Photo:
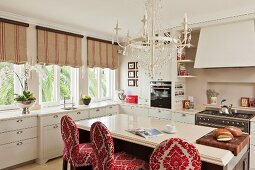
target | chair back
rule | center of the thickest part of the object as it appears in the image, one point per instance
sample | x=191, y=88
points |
x=175, y=154
x=70, y=134
x=102, y=144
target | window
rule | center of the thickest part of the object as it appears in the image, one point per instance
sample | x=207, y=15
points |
x=58, y=83
x=100, y=83
x=9, y=84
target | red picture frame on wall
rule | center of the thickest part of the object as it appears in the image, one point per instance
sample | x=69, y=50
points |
x=245, y=102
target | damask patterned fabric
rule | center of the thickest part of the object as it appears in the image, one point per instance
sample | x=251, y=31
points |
x=175, y=154
x=77, y=154
x=105, y=159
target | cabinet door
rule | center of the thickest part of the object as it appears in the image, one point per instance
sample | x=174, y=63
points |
x=160, y=113
x=18, y=152
x=52, y=141
x=184, y=118
x=97, y=112
x=140, y=111
x=112, y=110
x=252, y=157
x=126, y=109
x=79, y=115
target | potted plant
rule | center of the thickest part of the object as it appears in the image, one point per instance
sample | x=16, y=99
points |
x=25, y=101
x=86, y=99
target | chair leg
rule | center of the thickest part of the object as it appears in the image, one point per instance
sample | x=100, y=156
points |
x=64, y=165
x=73, y=167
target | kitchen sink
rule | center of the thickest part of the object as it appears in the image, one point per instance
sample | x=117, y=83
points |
x=69, y=108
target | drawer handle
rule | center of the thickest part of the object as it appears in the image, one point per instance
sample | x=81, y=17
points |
x=110, y=107
x=159, y=111
x=55, y=126
x=97, y=110
x=78, y=113
x=55, y=116
x=183, y=115
x=19, y=132
x=19, y=143
x=20, y=120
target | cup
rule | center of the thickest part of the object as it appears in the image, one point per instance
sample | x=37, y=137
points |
x=170, y=128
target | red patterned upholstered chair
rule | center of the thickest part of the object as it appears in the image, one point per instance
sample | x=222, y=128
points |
x=105, y=158
x=78, y=155
x=175, y=154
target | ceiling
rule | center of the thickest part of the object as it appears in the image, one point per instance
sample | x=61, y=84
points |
x=100, y=16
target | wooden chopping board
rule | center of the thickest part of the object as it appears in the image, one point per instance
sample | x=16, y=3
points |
x=235, y=145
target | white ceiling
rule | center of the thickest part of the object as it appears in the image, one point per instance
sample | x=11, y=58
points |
x=100, y=15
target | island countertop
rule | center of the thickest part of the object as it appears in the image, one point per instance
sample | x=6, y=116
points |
x=118, y=124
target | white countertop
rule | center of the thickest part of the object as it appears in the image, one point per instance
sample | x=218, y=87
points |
x=11, y=114
x=118, y=124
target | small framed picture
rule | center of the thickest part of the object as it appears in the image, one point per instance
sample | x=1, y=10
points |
x=131, y=65
x=245, y=102
x=136, y=74
x=131, y=82
x=136, y=65
x=136, y=82
x=131, y=74
x=185, y=104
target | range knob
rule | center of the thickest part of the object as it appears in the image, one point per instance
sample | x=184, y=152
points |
x=227, y=122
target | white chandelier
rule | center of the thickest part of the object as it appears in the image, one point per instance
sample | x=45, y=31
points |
x=155, y=46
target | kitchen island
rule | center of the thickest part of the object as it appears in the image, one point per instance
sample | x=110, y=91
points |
x=212, y=158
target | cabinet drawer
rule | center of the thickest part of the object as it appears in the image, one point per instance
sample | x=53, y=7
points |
x=252, y=157
x=18, y=152
x=52, y=141
x=112, y=110
x=253, y=127
x=18, y=123
x=126, y=109
x=159, y=113
x=184, y=118
x=17, y=135
x=51, y=119
x=98, y=112
x=139, y=111
x=79, y=115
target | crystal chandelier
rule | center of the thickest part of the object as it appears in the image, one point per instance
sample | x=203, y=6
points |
x=154, y=47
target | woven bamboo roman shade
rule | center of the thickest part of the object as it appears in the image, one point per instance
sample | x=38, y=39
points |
x=102, y=54
x=58, y=48
x=13, y=42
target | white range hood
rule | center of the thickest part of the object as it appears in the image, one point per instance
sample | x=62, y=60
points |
x=229, y=45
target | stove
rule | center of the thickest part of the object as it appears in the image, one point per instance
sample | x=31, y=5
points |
x=214, y=118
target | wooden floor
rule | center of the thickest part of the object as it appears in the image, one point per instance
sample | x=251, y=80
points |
x=55, y=164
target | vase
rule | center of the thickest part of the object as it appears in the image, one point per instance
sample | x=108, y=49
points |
x=213, y=100
x=86, y=101
x=25, y=105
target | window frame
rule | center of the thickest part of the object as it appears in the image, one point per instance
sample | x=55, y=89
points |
x=110, y=87
x=17, y=87
x=56, y=98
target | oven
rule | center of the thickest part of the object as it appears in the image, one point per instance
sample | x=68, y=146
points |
x=161, y=94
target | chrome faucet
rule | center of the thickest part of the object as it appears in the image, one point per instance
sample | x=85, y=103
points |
x=224, y=108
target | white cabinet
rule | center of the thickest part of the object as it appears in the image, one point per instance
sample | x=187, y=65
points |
x=252, y=157
x=18, y=152
x=160, y=113
x=252, y=146
x=112, y=110
x=126, y=109
x=184, y=118
x=18, y=141
x=140, y=111
x=97, y=112
x=79, y=115
x=52, y=141
x=134, y=110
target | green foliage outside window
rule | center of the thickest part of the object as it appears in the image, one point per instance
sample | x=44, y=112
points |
x=48, y=84
x=65, y=82
x=7, y=85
